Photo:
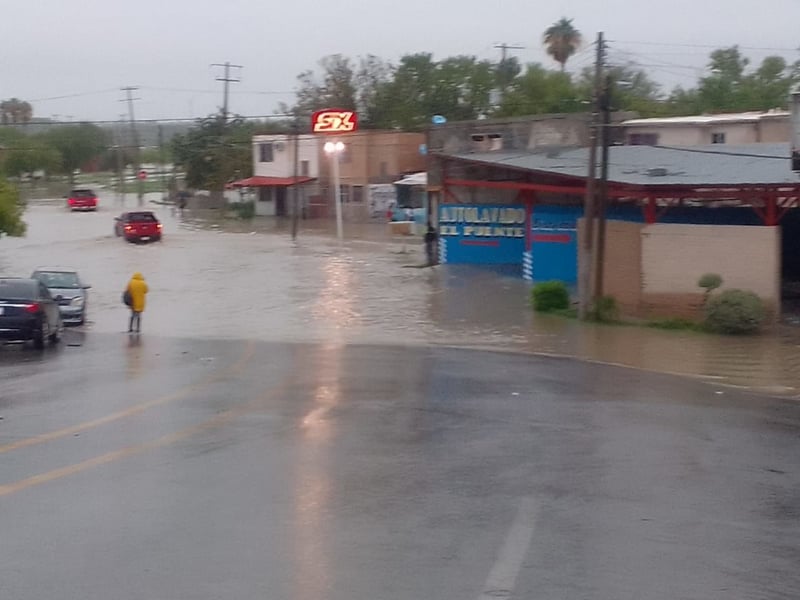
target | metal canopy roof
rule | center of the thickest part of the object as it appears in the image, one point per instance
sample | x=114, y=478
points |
x=718, y=165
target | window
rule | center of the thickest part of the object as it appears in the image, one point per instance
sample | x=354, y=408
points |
x=358, y=193
x=643, y=139
x=265, y=152
x=344, y=190
x=717, y=138
x=304, y=169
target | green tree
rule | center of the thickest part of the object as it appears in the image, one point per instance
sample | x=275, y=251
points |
x=15, y=111
x=336, y=88
x=11, y=222
x=562, y=40
x=31, y=155
x=78, y=145
x=214, y=152
x=540, y=91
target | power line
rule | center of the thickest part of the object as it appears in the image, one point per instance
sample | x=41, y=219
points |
x=226, y=81
x=707, y=46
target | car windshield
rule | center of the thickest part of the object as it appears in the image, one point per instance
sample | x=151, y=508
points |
x=142, y=218
x=16, y=289
x=59, y=279
x=82, y=194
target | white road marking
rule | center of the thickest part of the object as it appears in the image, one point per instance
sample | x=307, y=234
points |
x=503, y=576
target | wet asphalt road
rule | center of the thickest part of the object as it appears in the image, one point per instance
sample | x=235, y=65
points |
x=154, y=468
x=319, y=445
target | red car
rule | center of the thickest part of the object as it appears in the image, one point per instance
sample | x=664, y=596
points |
x=140, y=226
x=82, y=199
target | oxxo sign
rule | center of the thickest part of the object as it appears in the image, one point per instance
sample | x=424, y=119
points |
x=334, y=120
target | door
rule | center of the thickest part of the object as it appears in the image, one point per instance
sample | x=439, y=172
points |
x=280, y=202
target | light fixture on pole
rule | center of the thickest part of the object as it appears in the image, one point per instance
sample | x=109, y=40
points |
x=334, y=149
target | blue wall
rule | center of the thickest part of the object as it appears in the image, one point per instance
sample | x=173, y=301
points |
x=491, y=235
x=482, y=234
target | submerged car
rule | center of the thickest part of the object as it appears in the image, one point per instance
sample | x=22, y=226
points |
x=82, y=199
x=68, y=290
x=139, y=226
x=28, y=312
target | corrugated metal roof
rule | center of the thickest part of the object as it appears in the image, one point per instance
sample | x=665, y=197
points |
x=743, y=117
x=716, y=165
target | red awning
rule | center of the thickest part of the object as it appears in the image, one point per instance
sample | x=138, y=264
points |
x=260, y=181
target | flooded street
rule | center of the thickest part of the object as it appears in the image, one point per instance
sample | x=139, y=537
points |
x=221, y=278
x=323, y=421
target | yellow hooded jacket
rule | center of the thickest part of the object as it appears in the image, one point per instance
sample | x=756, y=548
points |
x=137, y=288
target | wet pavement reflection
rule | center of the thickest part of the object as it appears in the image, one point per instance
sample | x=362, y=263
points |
x=216, y=277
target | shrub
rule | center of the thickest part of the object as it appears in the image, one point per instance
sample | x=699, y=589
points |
x=550, y=296
x=709, y=282
x=244, y=210
x=735, y=312
x=605, y=310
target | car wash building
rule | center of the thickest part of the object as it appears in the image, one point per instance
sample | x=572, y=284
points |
x=516, y=201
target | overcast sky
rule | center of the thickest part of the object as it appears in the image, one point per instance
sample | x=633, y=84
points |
x=88, y=49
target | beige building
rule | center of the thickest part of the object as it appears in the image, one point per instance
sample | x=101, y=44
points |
x=736, y=128
x=369, y=157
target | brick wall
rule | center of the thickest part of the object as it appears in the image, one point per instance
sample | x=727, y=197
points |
x=652, y=270
x=674, y=257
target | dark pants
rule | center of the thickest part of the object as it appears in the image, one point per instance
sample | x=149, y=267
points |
x=429, y=252
x=136, y=317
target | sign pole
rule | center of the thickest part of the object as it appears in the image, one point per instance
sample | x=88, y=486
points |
x=337, y=194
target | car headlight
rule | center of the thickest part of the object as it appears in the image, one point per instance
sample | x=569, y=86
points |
x=77, y=301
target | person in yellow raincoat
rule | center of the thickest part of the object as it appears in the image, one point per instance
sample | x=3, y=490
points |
x=137, y=288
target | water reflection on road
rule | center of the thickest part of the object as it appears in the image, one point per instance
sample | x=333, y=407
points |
x=213, y=277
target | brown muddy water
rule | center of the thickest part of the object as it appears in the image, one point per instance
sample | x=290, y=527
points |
x=214, y=277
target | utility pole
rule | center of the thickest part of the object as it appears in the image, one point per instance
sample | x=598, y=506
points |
x=586, y=255
x=135, y=140
x=602, y=202
x=504, y=48
x=227, y=80
x=120, y=147
x=162, y=161
x=295, y=185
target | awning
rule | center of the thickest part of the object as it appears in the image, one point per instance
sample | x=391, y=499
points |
x=414, y=179
x=261, y=181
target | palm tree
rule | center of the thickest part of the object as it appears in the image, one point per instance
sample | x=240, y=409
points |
x=562, y=40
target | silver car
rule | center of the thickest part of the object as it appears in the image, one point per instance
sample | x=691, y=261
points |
x=68, y=290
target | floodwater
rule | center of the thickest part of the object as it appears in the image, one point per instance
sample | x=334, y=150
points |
x=212, y=277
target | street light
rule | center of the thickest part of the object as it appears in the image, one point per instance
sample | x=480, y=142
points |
x=334, y=150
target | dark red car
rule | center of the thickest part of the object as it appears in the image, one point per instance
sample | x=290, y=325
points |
x=82, y=199
x=140, y=226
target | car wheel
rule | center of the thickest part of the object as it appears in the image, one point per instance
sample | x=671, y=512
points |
x=55, y=336
x=40, y=335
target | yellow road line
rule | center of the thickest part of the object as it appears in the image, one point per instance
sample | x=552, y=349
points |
x=135, y=409
x=23, y=484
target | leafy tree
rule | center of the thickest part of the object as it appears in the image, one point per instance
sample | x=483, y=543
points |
x=11, y=222
x=335, y=89
x=540, y=91
x=29, y=156
x=562, y=40
x=15, y=111
x=214, y=153
x=77, y=144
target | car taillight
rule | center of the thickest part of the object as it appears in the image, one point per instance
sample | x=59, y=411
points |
x=32, y=308
x=159, y=225
x=128, y=227
x=72, y=200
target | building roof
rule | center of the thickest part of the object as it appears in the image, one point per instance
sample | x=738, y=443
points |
x=696, y=166
x=261, y=181
x=719, y=119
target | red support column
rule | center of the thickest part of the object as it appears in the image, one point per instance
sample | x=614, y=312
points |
x=650, y=213
x=771, y=219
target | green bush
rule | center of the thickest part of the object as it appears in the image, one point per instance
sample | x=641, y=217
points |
x=244, y=210
x=709, y=282
x=673, y=324
x=605, y=310
x=549, y=296
x=735, y=312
